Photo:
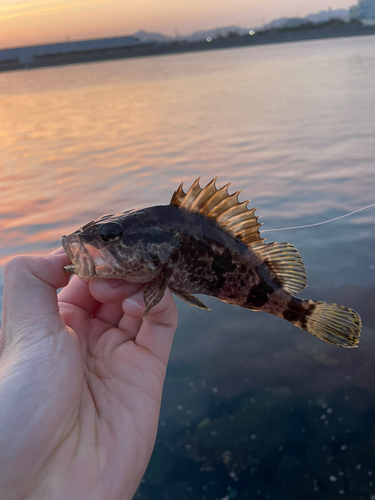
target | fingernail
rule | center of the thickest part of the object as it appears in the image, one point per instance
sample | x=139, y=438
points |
x=111, y=284
x=134, y=303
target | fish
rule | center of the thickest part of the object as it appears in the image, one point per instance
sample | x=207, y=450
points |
x=206, y=242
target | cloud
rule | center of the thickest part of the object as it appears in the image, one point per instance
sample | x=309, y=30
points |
x=28, y=4
x=48, y=7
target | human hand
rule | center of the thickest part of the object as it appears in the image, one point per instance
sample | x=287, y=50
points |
x=81, y=377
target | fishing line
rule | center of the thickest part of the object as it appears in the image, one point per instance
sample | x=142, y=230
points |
x=321, y=223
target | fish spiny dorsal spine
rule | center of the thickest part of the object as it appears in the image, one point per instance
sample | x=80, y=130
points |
x=224, y=208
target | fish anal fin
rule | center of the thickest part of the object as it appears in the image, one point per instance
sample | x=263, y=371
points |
x=190, y=299
x=284, y=263
x=223, y=208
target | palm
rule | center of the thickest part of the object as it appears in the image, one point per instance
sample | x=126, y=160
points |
x=99, y=426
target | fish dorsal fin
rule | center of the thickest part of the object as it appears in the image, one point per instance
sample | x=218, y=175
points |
x=284, y=263
x=222, y=207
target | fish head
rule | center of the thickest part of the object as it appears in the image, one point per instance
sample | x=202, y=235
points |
x=126, y=246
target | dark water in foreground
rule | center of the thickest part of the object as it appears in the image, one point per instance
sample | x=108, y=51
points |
x=253, y=407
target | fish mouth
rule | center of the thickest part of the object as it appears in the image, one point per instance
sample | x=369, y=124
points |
x=83, y=264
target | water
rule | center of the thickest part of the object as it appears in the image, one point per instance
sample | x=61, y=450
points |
x=253, y=407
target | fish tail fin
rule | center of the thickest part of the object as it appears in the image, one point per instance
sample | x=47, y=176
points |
x=332, y=323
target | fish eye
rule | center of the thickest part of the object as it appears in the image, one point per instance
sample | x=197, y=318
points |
x=110, y=232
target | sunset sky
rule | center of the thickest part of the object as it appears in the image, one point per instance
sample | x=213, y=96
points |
x=26, y=22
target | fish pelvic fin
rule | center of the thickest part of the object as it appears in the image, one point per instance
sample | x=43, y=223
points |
x=221, y=207
x=190, y=299
x=332, y=323
x=284, y=264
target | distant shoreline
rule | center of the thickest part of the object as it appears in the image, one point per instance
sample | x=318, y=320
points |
x=328, y=30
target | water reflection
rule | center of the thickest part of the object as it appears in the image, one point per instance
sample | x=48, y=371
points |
x=253, y=408
x=258, y=408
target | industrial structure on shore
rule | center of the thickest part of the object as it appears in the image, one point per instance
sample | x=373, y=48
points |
x=358, y=21
x=366, y=12
x=67, y=52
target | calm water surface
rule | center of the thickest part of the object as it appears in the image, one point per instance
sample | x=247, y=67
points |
x=253, y=407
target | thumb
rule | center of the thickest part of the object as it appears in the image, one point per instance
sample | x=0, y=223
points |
x=30, y=301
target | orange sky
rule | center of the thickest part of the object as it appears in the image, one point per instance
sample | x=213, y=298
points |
x=27, y=22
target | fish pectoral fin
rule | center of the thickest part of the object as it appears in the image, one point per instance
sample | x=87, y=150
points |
x=190, y=299
x=154, y=291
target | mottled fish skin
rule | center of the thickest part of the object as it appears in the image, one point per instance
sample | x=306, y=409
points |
x=138, y=256
x=205, y=259
x=213, y=263
x=206, y=242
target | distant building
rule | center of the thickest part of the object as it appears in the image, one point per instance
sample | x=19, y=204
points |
x=27, y=55
x=366, y=12
x=353, y=12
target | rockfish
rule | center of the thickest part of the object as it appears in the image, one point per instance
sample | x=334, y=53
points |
x=207, y=242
